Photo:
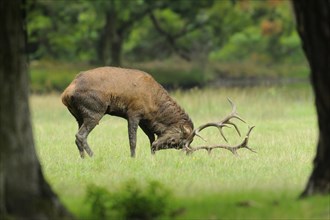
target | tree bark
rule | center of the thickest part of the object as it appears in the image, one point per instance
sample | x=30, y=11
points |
x=24, y=193
x=110, y=43
x=116, y=28
x=313, y=21
x=116, y=51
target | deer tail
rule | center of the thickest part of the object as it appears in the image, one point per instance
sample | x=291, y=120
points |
x=67, y=94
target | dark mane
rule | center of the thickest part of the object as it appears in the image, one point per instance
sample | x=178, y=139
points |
x=170, y=112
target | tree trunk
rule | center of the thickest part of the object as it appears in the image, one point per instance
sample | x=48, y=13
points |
x=313, y=19
x=116, y=50
x=110, y=46
x=24, y=193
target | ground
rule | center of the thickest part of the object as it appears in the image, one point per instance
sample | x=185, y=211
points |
x=263, y=185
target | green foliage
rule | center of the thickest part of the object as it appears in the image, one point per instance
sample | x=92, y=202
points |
x=174, y=73
x=224, y=39
x=259, y=30
x=218, y=31
x=131, y=201
x=246, y=39
x=62, y=30
x=48, y=76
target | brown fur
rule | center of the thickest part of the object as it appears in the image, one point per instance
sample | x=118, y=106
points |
x=130, y=94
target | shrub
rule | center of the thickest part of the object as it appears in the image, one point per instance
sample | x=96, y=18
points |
x=131, y=201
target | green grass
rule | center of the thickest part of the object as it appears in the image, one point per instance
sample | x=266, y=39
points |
x=220, y=186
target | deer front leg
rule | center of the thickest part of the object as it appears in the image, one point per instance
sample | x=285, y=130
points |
x=150, y=135
x=132, y=129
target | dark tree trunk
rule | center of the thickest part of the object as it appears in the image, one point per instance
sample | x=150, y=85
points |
x=24, y=193
x=116, y=51
x=110, y=43
x=313, y=21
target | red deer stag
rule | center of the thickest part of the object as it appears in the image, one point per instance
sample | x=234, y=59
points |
x=137, y=97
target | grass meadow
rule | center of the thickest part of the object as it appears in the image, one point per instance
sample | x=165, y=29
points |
x=264, y=185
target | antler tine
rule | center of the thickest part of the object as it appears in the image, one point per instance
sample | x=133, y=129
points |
x=232, y=149
x=244, y=144
x=221, y=133
x=236, y=128
x=222, y=123
x=200, y=137
x=233, y=113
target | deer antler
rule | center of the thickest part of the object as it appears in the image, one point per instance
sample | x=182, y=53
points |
x=222, y=123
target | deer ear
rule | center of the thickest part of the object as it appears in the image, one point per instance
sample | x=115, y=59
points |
x=186, y=129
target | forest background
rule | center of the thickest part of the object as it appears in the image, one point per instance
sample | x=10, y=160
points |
x=183, y=45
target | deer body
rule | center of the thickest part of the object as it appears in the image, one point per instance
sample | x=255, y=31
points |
x=130, y=94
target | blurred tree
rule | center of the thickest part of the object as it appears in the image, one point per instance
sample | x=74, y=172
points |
x=24, y=193
x=120, y=17
x=105, y=32
x=313, y=19
x=180, y=19
x=263, y=28
x=62, y=30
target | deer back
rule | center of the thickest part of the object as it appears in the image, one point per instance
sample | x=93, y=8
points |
x=128, y=93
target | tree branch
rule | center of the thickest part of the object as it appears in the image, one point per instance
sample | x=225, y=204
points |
x=138, y=15
x=171, y=39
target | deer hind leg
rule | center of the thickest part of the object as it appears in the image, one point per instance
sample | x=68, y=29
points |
x=81, y=137
x=86, y=124
x=88, y=111
x=79, y=119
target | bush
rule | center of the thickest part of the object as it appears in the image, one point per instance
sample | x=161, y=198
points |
x=174, y=73
x=131, y=202
x=50, y=75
